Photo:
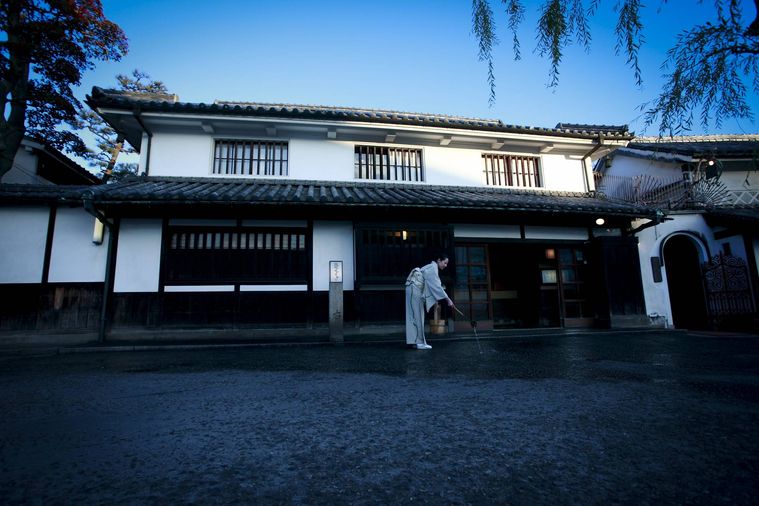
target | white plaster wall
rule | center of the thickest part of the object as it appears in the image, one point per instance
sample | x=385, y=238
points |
x=453, y=166
x=321, y=159
x=487, y=231
x=74, y=257
x=656, y=295
x=191, y=155
x=181, y=154
x=332, y=240
x=23, y=234
x=628, y=166
x=737, y=246
x=24, y=169
x=563, y=173
x=741, y=180
x=557, y=233
x=138, y=260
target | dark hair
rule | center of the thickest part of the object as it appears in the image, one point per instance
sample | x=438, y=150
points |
x=441, y=255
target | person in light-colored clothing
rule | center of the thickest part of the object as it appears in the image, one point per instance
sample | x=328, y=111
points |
x=423, y=290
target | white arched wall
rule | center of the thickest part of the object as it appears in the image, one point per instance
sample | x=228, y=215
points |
x=651, y=243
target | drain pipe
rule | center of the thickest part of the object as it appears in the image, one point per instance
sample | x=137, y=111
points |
x=110, y=262
x=587, y=169
x=137, y=113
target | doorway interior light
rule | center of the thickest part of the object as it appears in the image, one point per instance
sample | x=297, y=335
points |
x=600, y=221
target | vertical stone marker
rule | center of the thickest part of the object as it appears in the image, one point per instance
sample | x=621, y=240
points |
x=336, y=301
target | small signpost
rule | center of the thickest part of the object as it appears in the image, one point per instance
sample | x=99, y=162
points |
x=336, y=301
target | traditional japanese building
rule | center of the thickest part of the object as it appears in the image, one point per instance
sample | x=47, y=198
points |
x=699, y=265
x=239, y=208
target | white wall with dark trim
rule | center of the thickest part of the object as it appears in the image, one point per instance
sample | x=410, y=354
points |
x=650, y=242
x=332, y=240
x=138, y=261
x=22, y=248
x=74, y=257
x=190, y=154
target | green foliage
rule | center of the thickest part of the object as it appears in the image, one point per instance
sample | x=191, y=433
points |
x=710, y=70
x=48, y=45
x=106, y=138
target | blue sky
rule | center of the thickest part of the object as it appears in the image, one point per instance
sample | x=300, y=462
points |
x=417, y=56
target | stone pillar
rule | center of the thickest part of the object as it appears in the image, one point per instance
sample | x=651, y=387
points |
x=336, y=301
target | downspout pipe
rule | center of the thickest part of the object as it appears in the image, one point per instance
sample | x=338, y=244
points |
x=137, y=113
x=110, y=263
x=586, y=163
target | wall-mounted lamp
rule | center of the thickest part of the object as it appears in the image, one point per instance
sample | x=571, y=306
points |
x=97, y=232
x=405, y=235
x=600, y=221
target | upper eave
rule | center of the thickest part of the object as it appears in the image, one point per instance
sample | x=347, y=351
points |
x=114, y=102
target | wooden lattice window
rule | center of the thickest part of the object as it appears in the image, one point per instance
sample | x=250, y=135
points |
x=389, y=164
x=250, y=158
x=511, y=170
x=201, y=255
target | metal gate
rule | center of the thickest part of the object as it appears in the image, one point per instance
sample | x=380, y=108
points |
x=728, y=291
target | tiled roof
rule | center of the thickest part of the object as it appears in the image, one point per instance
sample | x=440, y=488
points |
x=722, y=146
x=584, y=127
x=745, y=215
x=197, y=191
x=120, y=100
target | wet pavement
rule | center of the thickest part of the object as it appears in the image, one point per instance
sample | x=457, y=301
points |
x=626, y=418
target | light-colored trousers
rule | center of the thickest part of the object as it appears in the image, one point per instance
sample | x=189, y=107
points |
x=414, y=315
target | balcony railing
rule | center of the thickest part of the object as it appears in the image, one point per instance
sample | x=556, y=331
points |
x=673, y=192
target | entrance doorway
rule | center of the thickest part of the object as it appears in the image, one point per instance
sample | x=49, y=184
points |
x=686, y=291
x=513, y=285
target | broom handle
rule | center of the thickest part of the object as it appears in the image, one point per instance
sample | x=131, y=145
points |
x=459, y=312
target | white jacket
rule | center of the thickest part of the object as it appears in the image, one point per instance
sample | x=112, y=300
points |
x=427, y=280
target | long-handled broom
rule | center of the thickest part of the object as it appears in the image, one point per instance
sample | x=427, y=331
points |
x=473, y=323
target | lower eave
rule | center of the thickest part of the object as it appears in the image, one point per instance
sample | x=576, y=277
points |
x=188, y=193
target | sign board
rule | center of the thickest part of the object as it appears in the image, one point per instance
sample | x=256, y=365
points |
x=335, y=271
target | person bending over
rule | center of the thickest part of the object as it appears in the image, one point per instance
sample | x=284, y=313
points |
x=423, y=290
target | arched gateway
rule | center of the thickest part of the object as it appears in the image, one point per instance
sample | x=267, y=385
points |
x=682, y=261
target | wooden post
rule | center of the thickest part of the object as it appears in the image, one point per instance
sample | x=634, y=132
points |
x=336, y=301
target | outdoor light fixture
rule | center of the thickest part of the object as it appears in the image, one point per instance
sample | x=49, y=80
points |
x=710, y=163
x=600, y=221
x=405, y=235
x=97, y=232
x=550, y=253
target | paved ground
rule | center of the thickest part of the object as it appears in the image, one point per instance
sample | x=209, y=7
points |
x=633, y=418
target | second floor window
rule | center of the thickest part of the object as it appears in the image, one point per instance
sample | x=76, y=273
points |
x=388, y=164
x=510, y=170
x=250, y=158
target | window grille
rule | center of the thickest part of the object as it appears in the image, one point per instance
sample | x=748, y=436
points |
x=250, y=158
x=510, y=170
x=388, y=164
x=236, y=255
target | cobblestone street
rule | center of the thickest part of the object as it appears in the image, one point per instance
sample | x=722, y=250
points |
x=604, y=418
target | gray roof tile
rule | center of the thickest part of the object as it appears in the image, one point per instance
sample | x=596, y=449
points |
x=210, y=191
x=121, y=100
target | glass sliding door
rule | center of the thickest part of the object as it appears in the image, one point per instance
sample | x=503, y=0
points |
x=576, y=308
x=472, y=291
